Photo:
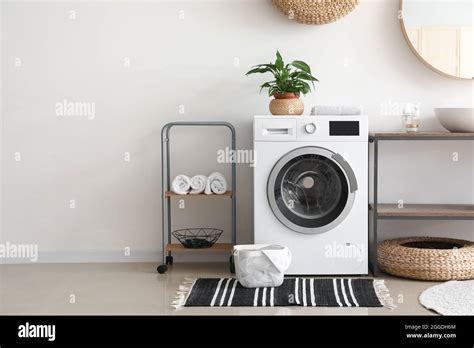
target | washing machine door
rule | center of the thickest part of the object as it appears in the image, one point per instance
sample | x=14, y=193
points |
x=311, y=189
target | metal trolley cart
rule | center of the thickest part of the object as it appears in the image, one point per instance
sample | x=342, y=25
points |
x=167, y=194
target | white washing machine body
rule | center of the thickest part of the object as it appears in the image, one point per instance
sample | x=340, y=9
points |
x=311, y=191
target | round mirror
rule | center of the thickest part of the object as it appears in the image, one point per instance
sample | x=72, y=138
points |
x=440, y=34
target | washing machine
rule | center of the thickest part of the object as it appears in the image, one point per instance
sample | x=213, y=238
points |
x=310, y=191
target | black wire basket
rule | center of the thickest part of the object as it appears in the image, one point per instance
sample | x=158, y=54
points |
x=197, y=238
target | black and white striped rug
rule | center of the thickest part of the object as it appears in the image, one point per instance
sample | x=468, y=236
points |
x=316, y=292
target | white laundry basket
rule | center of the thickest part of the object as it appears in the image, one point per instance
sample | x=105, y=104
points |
x=261, y=265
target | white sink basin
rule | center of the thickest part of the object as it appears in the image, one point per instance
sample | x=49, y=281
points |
x=456, y=119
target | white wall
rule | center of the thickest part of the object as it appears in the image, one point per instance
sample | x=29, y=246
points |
x=418, y=13
x=360, y=59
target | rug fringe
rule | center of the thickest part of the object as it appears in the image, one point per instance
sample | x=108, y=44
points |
x=183, y=293
x=383, y=294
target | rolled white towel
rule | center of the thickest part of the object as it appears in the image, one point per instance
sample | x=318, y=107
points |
x=336, y=110
x=198, y=184
x=216, y=183
x=181, y=185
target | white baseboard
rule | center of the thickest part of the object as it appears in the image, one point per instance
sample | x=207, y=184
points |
x=89, y=256
x=111, y=256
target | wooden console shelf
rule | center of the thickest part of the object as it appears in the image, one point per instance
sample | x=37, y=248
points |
x=421, y=136
x=413, y=211
x=172, y=194
x=217, y=248
x=382, y=211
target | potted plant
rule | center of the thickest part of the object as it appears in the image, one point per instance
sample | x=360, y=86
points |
x=290, y=81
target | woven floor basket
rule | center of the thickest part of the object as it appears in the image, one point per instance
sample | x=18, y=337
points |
x=316, y=11
x=396, y=258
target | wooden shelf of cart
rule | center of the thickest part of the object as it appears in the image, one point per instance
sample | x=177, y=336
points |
x=412, y=211
x=428, y=211
x=216, y=248
x=172, y=194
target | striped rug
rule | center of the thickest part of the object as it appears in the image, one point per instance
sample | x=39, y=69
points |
x=315, y=292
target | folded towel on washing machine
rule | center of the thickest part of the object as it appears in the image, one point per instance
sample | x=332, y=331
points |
x=198, y=184
x=181, y=185
x=336, y=110
x=216, y=183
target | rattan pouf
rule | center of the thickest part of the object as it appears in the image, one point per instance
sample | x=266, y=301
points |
x=427, y=258
x=316, y=11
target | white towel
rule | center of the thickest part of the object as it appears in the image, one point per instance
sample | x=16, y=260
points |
x=181, y=185
x=198, y=184
x=216, y=183
x=336, y=110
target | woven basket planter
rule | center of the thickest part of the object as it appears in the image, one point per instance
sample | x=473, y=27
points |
x=286, y=107
x=316, y=11
x=427, y=258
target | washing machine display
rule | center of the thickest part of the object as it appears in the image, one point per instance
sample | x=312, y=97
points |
x=311, y=189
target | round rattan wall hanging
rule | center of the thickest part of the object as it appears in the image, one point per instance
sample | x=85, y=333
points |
x=316, y=11
x=427, y=258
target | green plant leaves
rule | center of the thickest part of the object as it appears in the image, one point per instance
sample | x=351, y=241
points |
x=289, y=78
x=305, y=87
x=261, y=68
x=266, y=85
x=301, y=65
x=279, y=61
x=304, y=76
x=273, y=90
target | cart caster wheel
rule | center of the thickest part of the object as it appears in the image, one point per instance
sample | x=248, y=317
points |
x=169, y=260
x=162, y=269
x=231, y=265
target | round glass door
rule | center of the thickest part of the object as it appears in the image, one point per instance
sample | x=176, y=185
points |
x=311, y=189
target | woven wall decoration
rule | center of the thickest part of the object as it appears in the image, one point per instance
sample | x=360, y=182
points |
x=316, y=11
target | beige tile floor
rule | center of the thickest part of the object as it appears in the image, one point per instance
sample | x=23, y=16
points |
x=136, y=288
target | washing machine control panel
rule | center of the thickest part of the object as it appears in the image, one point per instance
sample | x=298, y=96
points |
x=310, y=128
x=317, y=128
